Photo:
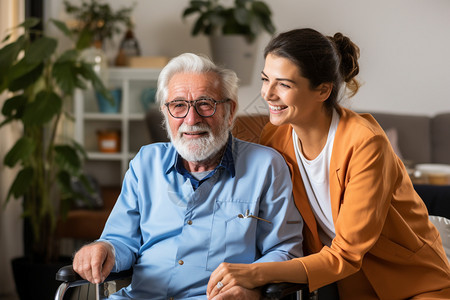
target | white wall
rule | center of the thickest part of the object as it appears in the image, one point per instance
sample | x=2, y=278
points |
x=405, y=66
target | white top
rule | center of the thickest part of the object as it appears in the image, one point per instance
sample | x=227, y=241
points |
x=315, y=175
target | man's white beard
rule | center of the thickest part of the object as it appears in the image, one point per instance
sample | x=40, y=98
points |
x=204, y=147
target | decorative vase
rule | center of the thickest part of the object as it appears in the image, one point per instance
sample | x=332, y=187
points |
x=129, y=47
x=105, y=106
x=148, y=97
x=236, y=53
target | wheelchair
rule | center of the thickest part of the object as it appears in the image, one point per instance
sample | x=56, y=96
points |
x=70, y=279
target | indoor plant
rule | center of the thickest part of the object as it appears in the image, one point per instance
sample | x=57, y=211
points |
x=246, y=17
x=232, y=31
x=41, y=83
x=97, y=22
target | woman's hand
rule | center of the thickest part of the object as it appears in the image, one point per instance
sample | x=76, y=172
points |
x=231, y=275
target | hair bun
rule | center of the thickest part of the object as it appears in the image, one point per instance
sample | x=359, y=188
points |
x=349, y=53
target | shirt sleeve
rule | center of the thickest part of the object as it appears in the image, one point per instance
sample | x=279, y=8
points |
x=122, y=229
x=282, y=239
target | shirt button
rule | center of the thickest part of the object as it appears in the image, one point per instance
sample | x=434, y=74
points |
x=189, y=222
x=180, y=262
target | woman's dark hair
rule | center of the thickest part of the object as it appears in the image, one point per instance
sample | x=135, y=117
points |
x=320, y=59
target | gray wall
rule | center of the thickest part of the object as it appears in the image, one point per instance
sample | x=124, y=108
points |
x=405, y=62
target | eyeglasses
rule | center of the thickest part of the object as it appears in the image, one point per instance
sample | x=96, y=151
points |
x=205, y=107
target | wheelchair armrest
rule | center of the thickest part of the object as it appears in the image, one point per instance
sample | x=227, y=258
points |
x=283, y=289
x=67, y=274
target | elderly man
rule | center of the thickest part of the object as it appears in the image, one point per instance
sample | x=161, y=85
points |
x=203, y=199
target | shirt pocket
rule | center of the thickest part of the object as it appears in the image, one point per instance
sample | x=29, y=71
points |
x=233, y=238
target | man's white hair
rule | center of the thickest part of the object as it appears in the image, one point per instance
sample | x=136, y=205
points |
x=193, y=63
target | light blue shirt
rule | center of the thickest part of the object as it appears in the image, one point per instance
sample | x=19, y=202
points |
x=174, y=236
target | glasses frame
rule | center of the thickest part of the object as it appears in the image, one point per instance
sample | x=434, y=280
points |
x=194, y=104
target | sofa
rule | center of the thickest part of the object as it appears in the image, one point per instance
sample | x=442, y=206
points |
x=420, y=139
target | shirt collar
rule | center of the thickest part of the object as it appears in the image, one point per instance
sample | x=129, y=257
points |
x=227, y=163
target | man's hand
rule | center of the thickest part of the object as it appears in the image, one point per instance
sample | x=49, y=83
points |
x=94, y=262
x=239, y=293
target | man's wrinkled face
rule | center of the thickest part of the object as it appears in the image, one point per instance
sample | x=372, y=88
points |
x=198, y=138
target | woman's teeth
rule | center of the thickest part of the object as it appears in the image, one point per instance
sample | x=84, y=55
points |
x=277, y=107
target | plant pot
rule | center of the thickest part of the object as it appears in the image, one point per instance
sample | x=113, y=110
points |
x=235, y=53
x=36, y=280
x=105, y=106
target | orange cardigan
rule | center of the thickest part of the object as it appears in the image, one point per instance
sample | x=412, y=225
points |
x=385, y=246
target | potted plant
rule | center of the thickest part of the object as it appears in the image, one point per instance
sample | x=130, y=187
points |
x=232, y=31
x=97, y=22
x=40, y=83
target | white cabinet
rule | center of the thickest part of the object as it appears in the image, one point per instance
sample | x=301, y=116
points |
x=109, y=168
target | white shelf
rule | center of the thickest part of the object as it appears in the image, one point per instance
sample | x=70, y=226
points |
x=104, y=156
x=102, y=116
x=109, y=168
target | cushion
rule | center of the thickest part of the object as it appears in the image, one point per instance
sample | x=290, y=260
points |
x=412, y=130
x=440, y=127
x=392, y=135
x=443, y=226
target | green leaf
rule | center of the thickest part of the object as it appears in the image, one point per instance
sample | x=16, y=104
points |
x=21, y=68
x=14, y=107
x=261, y=9
x=62, y=27
x=216, y=19
x=84, y=39
x=29, y=23
x=27, y=76
x=70, y=55
x=21, y=150
x=268, y=25
x=45, y=106
x=40, y=50
x=88, y=73
x=65, y=75
x=190, y=10
x=67, y=158
x=198, y=26
x=21, y=183
x=242, y=16
x=6, y=38
x=64, y=181
x=79, y=148
x=80, y=84
x=8, y=54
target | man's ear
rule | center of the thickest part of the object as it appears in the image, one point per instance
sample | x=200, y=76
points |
x=325, y=90
x=232, y=112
